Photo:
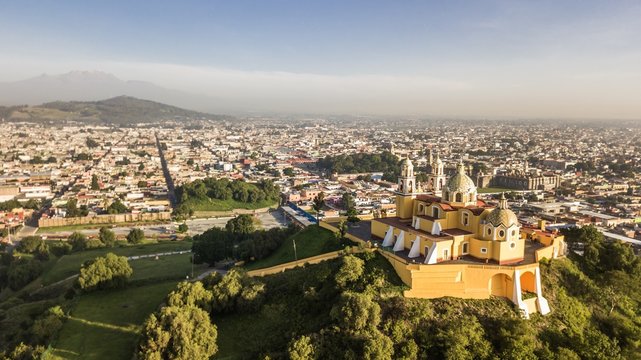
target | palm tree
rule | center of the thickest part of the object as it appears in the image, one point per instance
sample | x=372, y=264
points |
x=319, y=202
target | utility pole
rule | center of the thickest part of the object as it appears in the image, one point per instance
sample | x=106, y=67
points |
x=295, y=255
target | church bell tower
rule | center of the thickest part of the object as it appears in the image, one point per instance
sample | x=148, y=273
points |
x=406, y=190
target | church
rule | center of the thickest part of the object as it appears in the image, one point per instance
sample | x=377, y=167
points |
x=448, y=242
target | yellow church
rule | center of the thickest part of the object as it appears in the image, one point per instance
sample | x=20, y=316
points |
x=447, y=242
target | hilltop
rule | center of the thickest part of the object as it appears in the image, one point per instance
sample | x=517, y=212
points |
x=118, y=110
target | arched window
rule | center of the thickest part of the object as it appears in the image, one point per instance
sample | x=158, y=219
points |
x=459, y=197
x=435, y=212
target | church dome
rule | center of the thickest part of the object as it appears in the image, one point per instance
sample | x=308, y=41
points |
x=502, y=215
x=460, y=183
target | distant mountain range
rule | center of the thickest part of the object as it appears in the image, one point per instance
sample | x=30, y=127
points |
x=93, y=86
x=117, y=110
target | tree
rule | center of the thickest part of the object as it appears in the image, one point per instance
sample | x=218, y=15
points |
x=181, y=333
x=109, y=271
x=355, y=313
x=117, y=207
x=241, y=224
x=190, y=294
x=91, y=143
x=141, y=167
x=78, y=241
x=348, y=201
x=29, y=244
x=288, y=171
x=319, y=202
x=463, y=338
x=351, y=269
x=142, y=184
x=107, y=236
x=46, y=327
x=182, y=228
x=135, y=236
x=301, y=349
x=94, y=182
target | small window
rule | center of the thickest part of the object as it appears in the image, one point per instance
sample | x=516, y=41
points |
x=512, y=245
x=489, y=231
x=501, y=233
x=513, y=232
x=466, y=248
x=483, y=250
x=466, y=219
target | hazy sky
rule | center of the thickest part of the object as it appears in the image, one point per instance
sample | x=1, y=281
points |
x=456, y=58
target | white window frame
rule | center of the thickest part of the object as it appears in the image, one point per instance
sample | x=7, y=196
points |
x=483, y=250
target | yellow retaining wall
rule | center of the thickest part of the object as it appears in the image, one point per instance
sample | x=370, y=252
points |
x=104, y=219
x=290, y=265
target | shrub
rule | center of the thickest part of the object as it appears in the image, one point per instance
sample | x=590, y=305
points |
x=105, y=272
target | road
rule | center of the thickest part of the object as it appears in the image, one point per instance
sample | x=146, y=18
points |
x=196, y=226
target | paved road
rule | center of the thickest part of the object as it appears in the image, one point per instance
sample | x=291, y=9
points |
x=196, y=226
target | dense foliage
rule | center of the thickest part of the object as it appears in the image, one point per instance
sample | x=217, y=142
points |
x=238, y=241
x=15, y=204
x=109, y=271
x=385, y=162
x=209, y=189
x=350, y=309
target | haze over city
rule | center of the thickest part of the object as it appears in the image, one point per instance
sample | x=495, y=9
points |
x=504, y=59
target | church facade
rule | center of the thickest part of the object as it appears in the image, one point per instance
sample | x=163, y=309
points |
x=447, y=242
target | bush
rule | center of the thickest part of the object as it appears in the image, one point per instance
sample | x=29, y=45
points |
x=78, y=241
x=23, y=271
x=135, y=236
x=107, y=236
x=109, y=271
x=60, y=249
x=29, y=244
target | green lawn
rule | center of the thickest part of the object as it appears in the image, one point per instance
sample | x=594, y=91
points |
x=165, y=267
x=105, y=325
x=312, y=241
x=493, y=190
x=227, y=205
x=70, y=264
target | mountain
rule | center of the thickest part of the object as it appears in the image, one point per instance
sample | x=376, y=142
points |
x=93, y=86
x=117, y=110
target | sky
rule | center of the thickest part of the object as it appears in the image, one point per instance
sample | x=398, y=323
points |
x=514, y=59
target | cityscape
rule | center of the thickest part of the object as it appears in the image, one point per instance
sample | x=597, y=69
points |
x=321, y=192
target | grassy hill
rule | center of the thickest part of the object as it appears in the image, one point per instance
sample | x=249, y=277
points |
x=118, y=110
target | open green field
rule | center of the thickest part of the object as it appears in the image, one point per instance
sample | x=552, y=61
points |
x=106, y=324
x=69, y=265
x=165, y=267
x=493, y=190
x=312, y=241
x=227, y=205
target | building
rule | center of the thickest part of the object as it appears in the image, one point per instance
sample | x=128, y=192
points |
x=458, y=245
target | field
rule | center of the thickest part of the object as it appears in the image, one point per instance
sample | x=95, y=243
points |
x=69, y=265
x=310, y=242
x=227, y=205
x=165, y=267
x=105, y=325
